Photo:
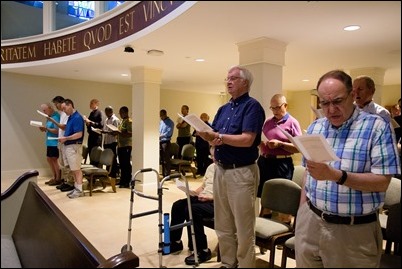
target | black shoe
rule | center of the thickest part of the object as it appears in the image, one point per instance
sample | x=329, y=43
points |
x=202, y=257
x=174, y=247
x=68, y=187
x=61, y=185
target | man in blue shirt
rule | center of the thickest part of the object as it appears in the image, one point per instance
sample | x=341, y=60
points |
x=166, y=127
x=237, y=133
x=72, y=139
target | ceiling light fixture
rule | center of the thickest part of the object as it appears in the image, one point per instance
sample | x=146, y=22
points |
x=200, y=60
x=155, y=52
x=351, y=28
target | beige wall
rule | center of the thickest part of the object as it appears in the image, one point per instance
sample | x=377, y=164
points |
x=23, y=146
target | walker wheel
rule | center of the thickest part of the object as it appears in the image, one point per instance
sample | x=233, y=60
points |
x=124, y=248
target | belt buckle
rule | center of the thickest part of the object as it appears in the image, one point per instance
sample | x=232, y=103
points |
x=323, y=216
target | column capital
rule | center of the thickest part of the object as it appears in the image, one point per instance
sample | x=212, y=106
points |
x=143, y=74
x=262, y=50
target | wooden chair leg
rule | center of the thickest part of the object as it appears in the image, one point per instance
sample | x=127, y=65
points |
x=90, y=186
x=112, y=181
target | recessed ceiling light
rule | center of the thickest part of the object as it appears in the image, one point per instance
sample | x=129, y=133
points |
x=351, y=28
x=305, y=80
x=124, y=75
x=200, y=60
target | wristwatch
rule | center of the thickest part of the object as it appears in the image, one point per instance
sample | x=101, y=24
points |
x=220, y=136
x=343, y=178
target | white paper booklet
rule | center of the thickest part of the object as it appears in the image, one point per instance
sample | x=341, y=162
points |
x=181, y=186
x=112, y=127
x=36, y=123
x=314, y=147
x=41, y=113
x=196, y=123
x=96, y=130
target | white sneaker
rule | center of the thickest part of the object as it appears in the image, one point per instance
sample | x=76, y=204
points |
x=71, y=192
x=76, y=193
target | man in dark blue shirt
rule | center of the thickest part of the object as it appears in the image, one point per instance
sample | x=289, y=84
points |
x=237, y=133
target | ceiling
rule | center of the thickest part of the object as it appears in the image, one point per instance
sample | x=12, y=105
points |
x=312, y=30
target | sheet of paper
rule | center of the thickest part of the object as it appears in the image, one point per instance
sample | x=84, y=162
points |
x=313, y=147
x=113, y=128
x=96, y=130
x=36, y=123
x=196, y=123
x=181, y=186
x=41, y=113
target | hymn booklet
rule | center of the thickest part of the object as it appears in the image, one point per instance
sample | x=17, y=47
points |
x=313, y=147
x=196, y=123
x=36, y=123
x=181, y=186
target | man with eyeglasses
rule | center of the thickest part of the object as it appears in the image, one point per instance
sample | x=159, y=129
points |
x=337, y=221
x=276, y=151
x=236, y=136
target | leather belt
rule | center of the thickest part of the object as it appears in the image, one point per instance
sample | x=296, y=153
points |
x=233, y=165
x=277, y=156
x=341, y=219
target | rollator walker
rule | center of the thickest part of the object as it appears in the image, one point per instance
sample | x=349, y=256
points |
x=164, y=243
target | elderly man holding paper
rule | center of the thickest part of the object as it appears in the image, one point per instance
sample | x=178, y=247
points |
x=340, y=199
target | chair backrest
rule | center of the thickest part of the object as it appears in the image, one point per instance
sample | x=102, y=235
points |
x=174, y=150
x=393, y=192
x=281, y=195
x=298, y=174
x=106, y=157
x=95, y=154
x=84, y=153
x=187, y=152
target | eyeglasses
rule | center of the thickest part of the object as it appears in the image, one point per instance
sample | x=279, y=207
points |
x=336, y=102
x=232, y=78
x=276, y=107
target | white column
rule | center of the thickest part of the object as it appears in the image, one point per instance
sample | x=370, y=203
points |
x=377, y=74
x=145, y=114
x=264, y=57
x=49, y=16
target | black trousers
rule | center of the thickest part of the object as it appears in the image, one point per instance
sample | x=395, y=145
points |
x=164, y=157
x=179, y=214
x=274, y=168
x=124, y=154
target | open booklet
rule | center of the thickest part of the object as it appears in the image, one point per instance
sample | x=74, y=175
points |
x=314, y=147
x=181, y=186
x=41, y=113
x=196, y=123
x=113, y=128
x=36, y=123
x=96, y=130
